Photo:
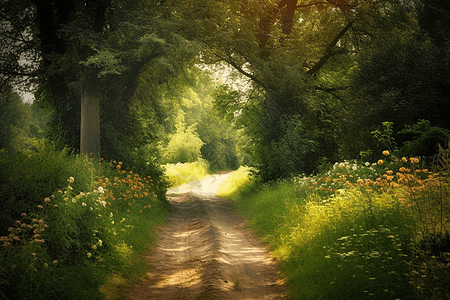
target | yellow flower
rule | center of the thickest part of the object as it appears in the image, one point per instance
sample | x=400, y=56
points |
x=414, y=160
x=385, y=152
x=89, y=254
x=404, y=159
x=380, y=162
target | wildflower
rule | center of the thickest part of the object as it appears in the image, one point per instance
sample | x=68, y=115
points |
x=394, y=185
x=89, y=254
x=118, y=167
x=23, y=214
x=380, y=162
x=100, y=242
x=40, y=206
x=83, y=204
x=94, y=247
x=100, y=190
x=71, y=179
x=385, y=152
x=367, y=163
x=414, y=160
x=404, y=159
x=55, y=262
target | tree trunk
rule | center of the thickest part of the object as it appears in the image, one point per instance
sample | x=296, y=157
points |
x=90, y=121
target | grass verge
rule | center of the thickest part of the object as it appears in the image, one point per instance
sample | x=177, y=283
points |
x=357, y=231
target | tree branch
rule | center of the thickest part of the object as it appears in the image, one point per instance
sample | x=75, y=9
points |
x=329, y=51
x=240, y=70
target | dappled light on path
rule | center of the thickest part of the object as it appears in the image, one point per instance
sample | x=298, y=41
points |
x=204, y=252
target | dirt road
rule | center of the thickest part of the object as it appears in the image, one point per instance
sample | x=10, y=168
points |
x=204, y=252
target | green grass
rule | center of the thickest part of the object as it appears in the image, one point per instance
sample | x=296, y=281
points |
x=178, y=174
x=351, y=233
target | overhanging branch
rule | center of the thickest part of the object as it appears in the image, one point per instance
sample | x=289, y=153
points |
x=329, y=51
x=240, y=70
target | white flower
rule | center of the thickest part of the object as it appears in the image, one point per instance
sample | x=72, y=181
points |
x=100, y=190
x=367, y=163
x=84, y=204
x=71, y=179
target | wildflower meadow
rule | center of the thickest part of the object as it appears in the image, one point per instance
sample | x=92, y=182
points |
x=82, y=243
x=357, y=230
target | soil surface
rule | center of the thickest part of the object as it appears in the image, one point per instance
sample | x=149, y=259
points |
x=205, y=252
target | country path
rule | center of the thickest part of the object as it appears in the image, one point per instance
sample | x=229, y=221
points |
x=204, y=252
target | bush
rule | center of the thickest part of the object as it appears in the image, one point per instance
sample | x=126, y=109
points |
x=72, y=241
x=27, y=178
x=184, y=146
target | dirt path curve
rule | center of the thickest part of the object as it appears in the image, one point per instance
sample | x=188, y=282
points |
x=204, y=252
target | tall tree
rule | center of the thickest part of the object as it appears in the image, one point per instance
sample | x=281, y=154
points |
x=91, y=53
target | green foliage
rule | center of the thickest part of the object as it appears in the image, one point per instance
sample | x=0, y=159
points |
x=184, y=146
x=385, y=137
x=17, y=124
x=357, y=231
x=423, y=138
x=26, y=179
x=79, y=237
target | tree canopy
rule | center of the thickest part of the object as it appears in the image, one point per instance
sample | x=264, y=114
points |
x=323, y=74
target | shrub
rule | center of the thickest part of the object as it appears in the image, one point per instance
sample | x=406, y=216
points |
x=27, y=178
x=184, y=146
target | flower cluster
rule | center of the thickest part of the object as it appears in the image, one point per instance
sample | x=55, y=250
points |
x=28, y=230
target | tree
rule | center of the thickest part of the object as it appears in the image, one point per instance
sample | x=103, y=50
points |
x=297, y=55
x=91, y=54
x=402, y=75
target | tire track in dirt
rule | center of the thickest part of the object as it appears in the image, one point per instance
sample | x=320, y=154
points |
x=203, y=252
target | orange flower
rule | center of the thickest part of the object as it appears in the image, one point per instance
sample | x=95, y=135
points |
x=414, y=160
x=394, y=185
x=404, y=159
x=380, y=162
x=385, y=152
x=118, y=166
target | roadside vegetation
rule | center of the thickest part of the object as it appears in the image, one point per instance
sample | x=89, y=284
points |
x=80, y=229
x=358, y=230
